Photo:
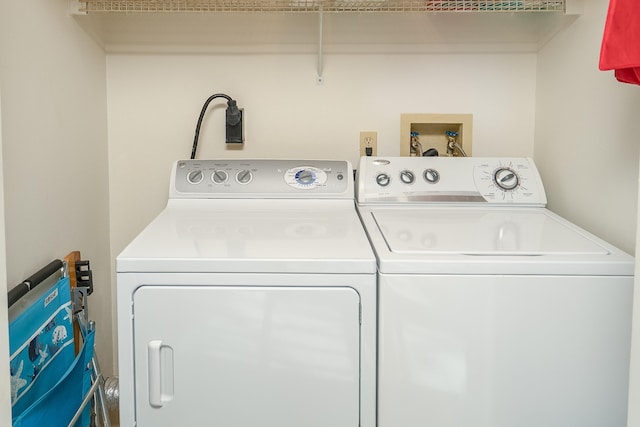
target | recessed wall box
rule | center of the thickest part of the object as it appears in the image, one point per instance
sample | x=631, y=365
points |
x=430, y=132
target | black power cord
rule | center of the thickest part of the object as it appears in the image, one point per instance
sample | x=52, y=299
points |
x=233, y=119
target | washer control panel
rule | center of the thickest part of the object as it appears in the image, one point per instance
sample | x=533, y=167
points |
x=467, y=180
x=261, y=178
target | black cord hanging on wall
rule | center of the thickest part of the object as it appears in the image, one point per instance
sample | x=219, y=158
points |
x=234, y=126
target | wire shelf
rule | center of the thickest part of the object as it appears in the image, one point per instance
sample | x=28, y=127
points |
x=321, y=5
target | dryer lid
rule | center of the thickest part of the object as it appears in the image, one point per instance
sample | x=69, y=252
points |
x=252, y=236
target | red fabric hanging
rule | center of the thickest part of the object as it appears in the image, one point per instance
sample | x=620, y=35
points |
x=621, y=41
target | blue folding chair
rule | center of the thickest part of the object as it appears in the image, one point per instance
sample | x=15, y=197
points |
x=51, y=385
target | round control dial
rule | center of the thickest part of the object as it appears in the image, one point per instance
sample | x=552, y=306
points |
x=514, y=180
x=219, y=177
x=244, y=176
x=305, y=177
x=506, y=179
x=431, y=176
x=195, y=176
x=383, y=179
x=407, y=177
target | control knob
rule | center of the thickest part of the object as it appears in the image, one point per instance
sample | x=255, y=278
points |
x=383, y=179
x=506, y=179
x=219, y=177
x=305, y=177
x=195, y=176
x=244, y=176
x=407, y=177
x=431, y=176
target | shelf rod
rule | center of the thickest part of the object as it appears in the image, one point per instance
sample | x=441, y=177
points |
x=319, y=77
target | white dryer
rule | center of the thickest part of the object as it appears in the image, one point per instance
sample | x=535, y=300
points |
x=250, y=301
x=493, y=311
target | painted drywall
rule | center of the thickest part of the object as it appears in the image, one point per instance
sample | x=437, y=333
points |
x=586, y=141
x=5, y=397
x=154, y=101
x=55, y=149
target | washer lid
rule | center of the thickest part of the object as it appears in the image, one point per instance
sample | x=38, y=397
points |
x=487, y=241
x=482, y=232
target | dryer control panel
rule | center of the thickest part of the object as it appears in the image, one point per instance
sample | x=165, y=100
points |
x=261, y=178
x=449, y=180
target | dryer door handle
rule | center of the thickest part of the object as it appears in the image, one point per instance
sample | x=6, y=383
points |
x=160, y=363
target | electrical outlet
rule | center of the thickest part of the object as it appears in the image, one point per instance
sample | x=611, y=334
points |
x=368, y=143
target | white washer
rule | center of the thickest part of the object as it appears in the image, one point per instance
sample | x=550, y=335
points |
x=493, y=311
x=250, y=301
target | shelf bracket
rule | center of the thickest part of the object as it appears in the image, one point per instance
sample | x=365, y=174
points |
x=574, y=7
x=77, y=7
x=319, y=77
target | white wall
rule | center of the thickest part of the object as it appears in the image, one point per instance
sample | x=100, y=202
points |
x=155, y=100
x=5, y=397
x=586, y=143
x=55, y=148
